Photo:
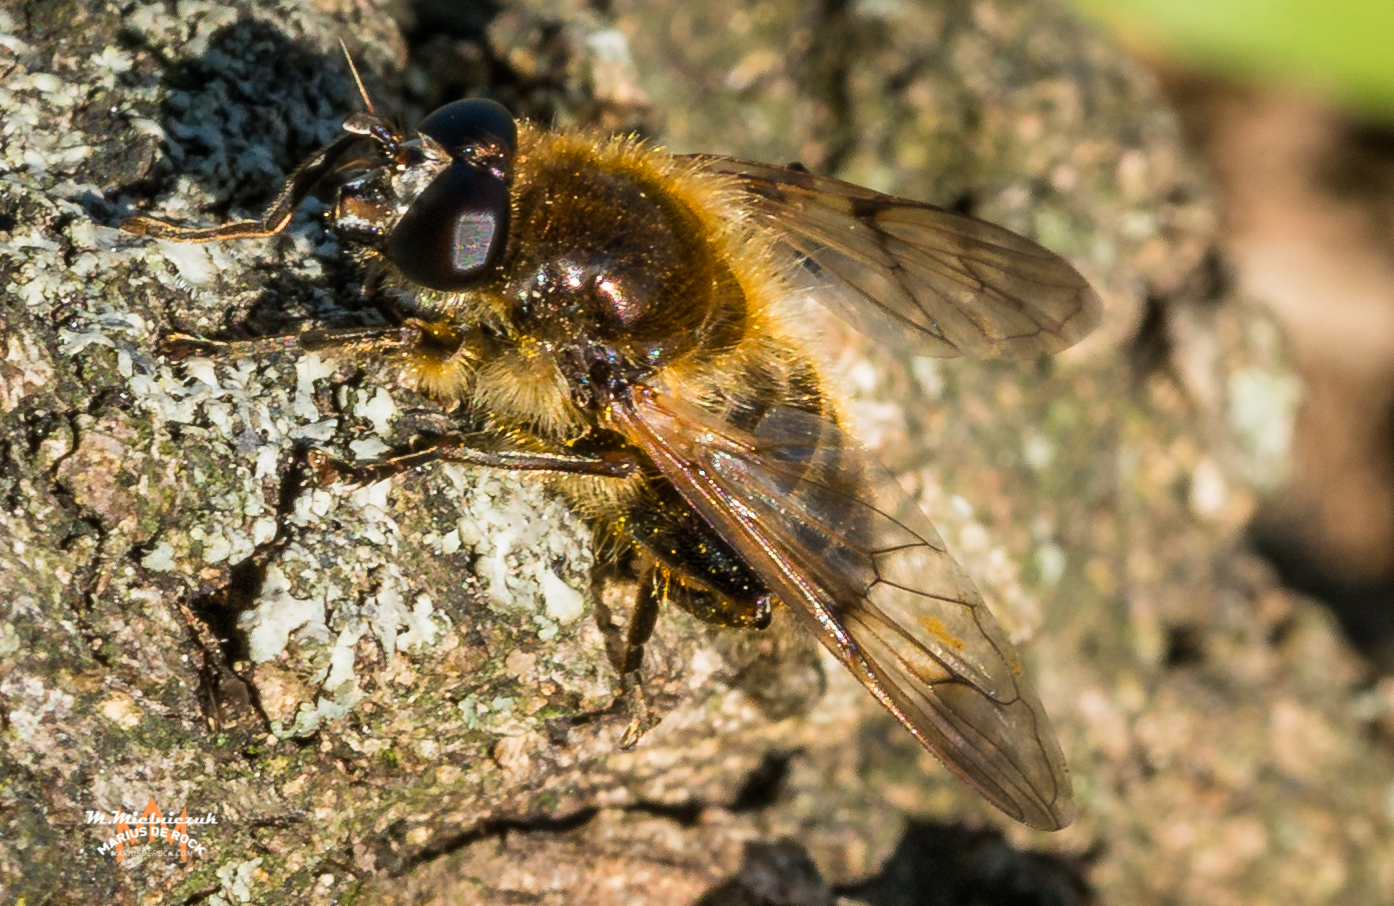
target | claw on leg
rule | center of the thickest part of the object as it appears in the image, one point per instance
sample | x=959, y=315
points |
x=627, y=655
x=636, y=701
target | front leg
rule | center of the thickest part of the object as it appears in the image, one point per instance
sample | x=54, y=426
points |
x=273, y=220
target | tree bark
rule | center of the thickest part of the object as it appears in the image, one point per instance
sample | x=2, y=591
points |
x=399, y=692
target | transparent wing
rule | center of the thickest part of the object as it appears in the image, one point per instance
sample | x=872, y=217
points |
x=914, y=275
x=840, y=543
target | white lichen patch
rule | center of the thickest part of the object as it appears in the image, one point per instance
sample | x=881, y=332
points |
x=26, y=367
x=235, y=409
x=424, y=625
x=1262, y=411
x=371, y=502
x=398, y=626
x=512, y=525
x=263, y=531
x=379, y=410
x=563, y=603
x=192, y=261
x=37, y=715
x=161, y=559
x=277, y=614
x=329, y=630
x=239, y=880
x=9, y=639
x=369, y=449
x=352, y=533
x=340, y=686
x=310, y=368
x=205, y=372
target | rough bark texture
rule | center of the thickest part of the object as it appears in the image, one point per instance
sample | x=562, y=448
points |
x=399, y=693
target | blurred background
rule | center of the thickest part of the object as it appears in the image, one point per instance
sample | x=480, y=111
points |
x=1292, y=104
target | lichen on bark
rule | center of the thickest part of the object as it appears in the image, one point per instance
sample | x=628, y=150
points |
x=399, y=692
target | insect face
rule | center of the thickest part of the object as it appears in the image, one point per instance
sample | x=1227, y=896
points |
x=438, y=207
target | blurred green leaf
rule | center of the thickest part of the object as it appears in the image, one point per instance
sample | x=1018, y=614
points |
x=1340, y=47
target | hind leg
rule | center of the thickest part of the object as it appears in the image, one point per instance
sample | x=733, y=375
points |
x=625, y=646
x=625, y=649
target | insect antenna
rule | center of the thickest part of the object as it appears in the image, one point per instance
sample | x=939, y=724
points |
x=362, y=91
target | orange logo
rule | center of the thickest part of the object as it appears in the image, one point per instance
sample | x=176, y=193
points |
x=150, y=827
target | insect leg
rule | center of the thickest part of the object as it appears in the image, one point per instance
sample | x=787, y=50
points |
x=458, y=449
x=630, y=660
x=277, y=215
x=179, y=346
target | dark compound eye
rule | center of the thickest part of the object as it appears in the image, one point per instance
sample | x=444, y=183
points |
x=475, y=123
x=455, y=230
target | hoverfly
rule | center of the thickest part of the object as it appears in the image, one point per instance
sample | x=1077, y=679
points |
x=622, y=320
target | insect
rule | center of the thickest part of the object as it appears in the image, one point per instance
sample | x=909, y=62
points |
x=624, y=322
